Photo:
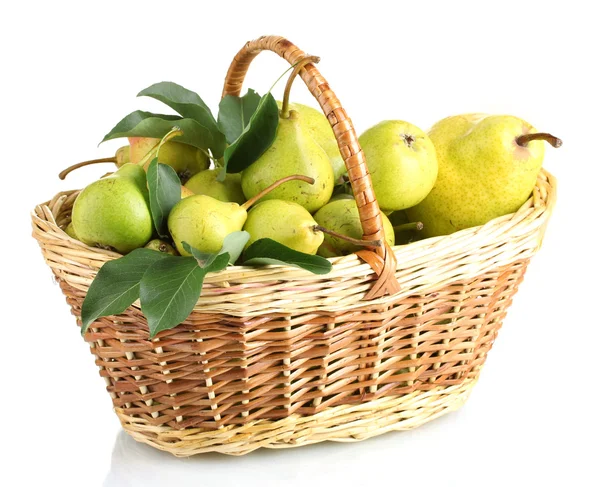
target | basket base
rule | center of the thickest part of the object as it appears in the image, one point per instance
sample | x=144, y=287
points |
x=340, y=423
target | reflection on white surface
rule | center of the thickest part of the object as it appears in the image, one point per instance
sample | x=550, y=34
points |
x=135, y=464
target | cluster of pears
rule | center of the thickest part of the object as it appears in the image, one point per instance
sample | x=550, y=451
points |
x=467, y=170
x=292, y=184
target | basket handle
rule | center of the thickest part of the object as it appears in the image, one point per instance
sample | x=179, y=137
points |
x=381, y=259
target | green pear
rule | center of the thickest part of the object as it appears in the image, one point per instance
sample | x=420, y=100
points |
x=342, y=216
x=285, y=222
x=319, y=127
x=293, y=151
x=205, y=182
x=484, y=172
x=122, y=156
x=161, y=246
x=185, y=159
x=114, y=212
x=204, y=222
x=70, y=231
x=402, y=161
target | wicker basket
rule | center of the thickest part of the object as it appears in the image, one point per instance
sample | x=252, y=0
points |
x=278, y=357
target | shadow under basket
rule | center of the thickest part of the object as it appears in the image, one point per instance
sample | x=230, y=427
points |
x=278, y=357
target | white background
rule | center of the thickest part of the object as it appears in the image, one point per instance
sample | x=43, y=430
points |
x=70, y=72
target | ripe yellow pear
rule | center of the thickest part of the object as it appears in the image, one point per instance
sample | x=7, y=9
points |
x=320, y=129
x=342, y=216
x=293, y=151
x=185, y=159
x=205, y=182
x=204, y=222
x=484, y=172
x=402, y=161
x=285, y=222
x=113, y=212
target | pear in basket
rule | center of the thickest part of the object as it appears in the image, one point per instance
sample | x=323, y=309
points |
x=319, y=128
x=205, y=182
x=114, y=212
x=488, y=166
x=294, y=151
x=185, y=159
x=402, y=162
x=341, y=216
x=285, y=222
x=203, y=221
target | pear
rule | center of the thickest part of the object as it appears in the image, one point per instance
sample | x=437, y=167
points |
x=293, y=151
x=161, y=246
x=185, y=159
x=70, y=231
x=402, y=161
x=203, y=221
x=113, y=212
x=318, y=126
x=285, y=222
x=342, y=216
x=488, y=166
x=205, y=182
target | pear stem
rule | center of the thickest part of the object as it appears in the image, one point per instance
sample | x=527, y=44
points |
x=268, y=189
x=355, y=241
x=405, y=227
x=524, y=139
x=63, y=174
x=285, y=113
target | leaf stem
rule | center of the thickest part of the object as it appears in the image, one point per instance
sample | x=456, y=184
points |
x=63, y=174
x=355, y=241
x=524, y=139
x=268, y=189
x=285, y=113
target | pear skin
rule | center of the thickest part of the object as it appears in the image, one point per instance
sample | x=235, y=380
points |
x=293, y=151
x=161, y=246
x=321, y=131
x=483, y=172
x=70, y=231
x=204, y=222
x=285, y=222
x=114, y=212
x=205, y=182
x=185, y=159
x=402, y=161
x=342, y=216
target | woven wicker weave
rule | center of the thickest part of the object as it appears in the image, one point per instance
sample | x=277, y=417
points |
x=278, y=357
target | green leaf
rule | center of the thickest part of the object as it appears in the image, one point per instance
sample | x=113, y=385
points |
x=256, y=138
x=170, y=289
x=203, y=259
x=117, y=285
x=146, y=124
x=235, y=113
x=185, y=102
x=233, y=245
x=164, y=188
x=268, y=252
x=189, y=105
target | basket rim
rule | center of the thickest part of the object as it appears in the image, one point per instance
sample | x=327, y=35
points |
x=422, y=265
